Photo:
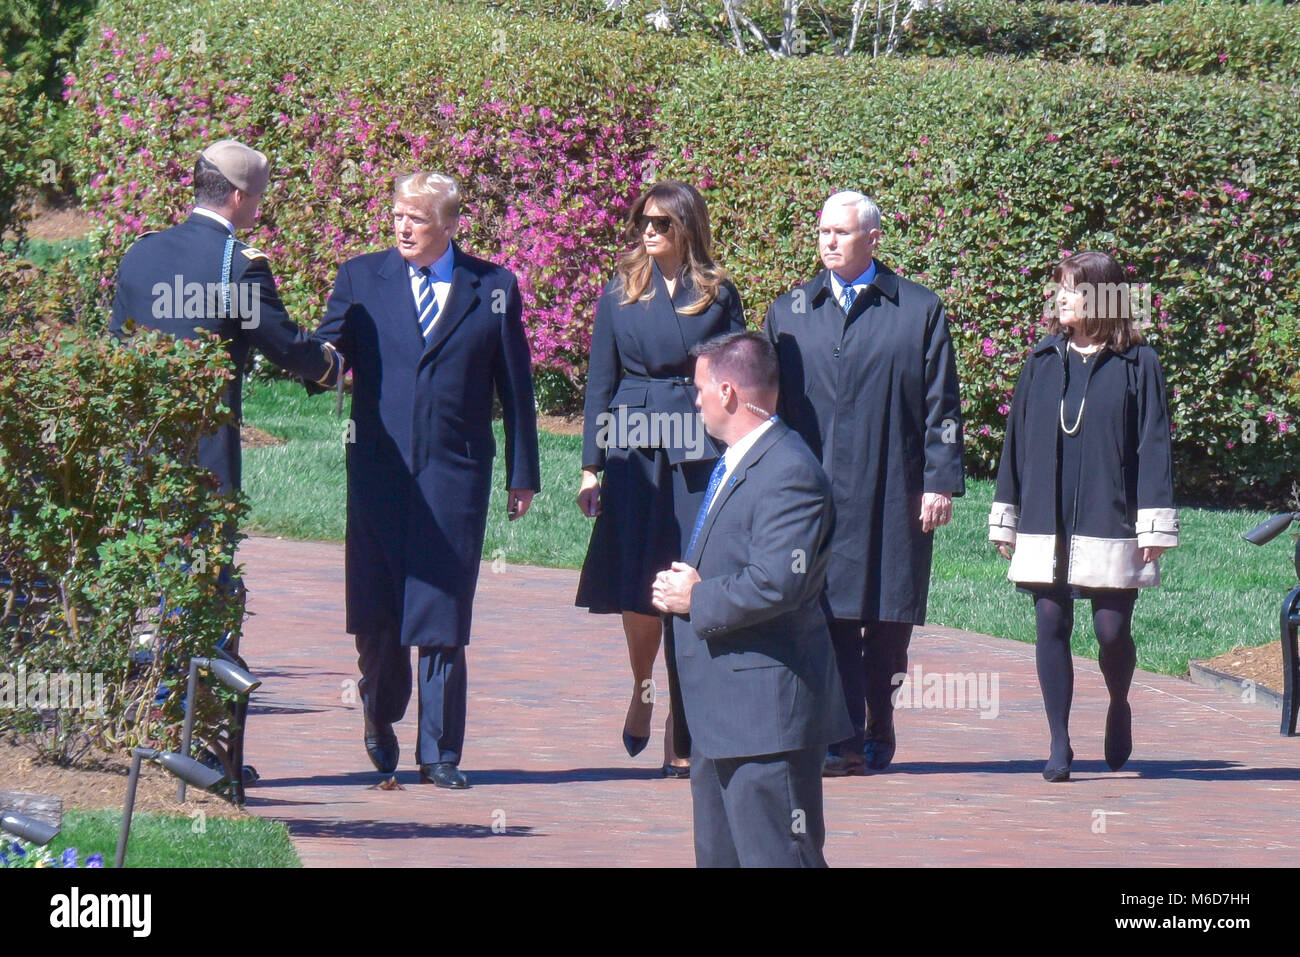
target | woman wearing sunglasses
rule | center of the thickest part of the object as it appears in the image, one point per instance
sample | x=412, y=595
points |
x=1085, y=491
x=643, y=431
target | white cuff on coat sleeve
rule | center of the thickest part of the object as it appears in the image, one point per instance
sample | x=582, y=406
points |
x=1004, y=519
x=1157, y=527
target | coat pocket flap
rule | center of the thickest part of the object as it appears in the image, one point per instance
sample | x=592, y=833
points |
x=629, y=396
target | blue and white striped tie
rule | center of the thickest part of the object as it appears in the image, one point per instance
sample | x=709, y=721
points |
x=426, y=304
x=847, y=297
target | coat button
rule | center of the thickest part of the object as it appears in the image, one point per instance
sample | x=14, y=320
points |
x=836, y=353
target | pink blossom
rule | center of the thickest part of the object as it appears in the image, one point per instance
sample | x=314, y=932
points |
x=990, y=348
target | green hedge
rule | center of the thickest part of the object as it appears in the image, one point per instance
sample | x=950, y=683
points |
x=985, y=173
x=987, y=170
x=1189, y=36
x=1185, y=36
x=105, y=512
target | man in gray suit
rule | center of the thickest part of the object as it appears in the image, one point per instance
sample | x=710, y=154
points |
x=754, y=657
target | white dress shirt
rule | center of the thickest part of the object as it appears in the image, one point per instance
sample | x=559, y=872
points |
x=201, y=211
x=735, y=453
x=838, y=284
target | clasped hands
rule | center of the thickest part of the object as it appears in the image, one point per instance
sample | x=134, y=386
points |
x=672, y=589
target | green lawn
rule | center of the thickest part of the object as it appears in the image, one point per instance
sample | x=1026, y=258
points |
x=1219, y=591
x=174, y=840
x=42, y=252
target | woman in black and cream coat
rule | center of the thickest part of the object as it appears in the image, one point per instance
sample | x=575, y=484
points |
x=1085, y=490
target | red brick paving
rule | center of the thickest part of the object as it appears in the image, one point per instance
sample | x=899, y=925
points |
x=1210, y=783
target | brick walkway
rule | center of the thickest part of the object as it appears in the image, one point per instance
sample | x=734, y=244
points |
x=1211, y=783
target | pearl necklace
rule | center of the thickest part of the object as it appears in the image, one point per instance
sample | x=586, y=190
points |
x=1078, y=419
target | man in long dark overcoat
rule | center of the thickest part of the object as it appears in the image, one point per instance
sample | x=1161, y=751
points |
x=430, y=334
x=869, y=379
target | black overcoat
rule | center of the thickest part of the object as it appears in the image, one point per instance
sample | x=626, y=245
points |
x=420, y=463
x=654, y=480
x=1124, y=490
x=640, y=359
x=874, y=394
x=196, y=276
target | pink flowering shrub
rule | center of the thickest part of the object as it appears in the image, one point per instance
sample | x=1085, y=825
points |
x=549, y=152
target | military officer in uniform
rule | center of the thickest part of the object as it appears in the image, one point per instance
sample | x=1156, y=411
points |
x=199, y=276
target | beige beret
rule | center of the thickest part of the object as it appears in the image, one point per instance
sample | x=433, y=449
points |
x=246, y=168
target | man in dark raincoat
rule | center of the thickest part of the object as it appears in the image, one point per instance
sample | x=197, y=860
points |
x=869, y=379
x=430, y=334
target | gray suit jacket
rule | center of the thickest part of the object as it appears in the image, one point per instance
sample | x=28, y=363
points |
x=754, y=656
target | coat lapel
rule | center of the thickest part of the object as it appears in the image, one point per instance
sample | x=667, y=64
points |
x=661, y=293
x=765, y=442
x=395, y=291
x=462, y=298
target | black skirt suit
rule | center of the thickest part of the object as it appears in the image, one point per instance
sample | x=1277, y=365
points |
x=642, y=429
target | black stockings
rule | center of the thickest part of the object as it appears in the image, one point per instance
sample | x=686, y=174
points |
x=1112, y=621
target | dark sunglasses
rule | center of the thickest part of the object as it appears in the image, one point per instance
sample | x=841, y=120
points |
x=661, y=223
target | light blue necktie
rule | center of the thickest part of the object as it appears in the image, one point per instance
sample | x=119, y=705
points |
x=426, y=304
x=715, y=479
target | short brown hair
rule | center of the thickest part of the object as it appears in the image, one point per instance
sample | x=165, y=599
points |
x=1109, y=313
x=745, y=358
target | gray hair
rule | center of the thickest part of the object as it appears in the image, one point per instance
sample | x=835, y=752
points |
x=868, y=211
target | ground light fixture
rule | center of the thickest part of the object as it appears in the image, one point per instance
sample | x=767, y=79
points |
x=187, y=769
x=229, y=674
x=28, y=828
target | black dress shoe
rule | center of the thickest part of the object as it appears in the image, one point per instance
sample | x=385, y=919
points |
x=878, y=752
x=1058, y=772
x=634, y=745
x=381, y=745
x=1119, y=734
x=842, y=765
x=443, y=774
x=673, y=771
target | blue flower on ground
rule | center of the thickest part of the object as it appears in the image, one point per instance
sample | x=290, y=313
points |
x=95, y=860
x=69, y=858
x=19, y=849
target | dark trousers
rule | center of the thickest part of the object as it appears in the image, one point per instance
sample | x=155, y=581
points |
x=385, y=688
x=869, y=654
x=760, y=811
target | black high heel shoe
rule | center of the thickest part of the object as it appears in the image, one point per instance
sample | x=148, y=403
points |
x=634, y=744
x=1119, y=734
x=1055, y=774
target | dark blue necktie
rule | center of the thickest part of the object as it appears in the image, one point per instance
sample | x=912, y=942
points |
x=715, y=479
x=847, y=296
x=426, y=303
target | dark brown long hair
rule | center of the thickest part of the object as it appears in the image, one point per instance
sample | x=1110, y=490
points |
x=683, y=204
x=1109, y=314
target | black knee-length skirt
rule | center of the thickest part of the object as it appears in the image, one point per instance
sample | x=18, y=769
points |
x=648, y=510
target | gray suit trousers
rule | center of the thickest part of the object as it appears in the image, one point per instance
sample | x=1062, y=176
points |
x=759, y=811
